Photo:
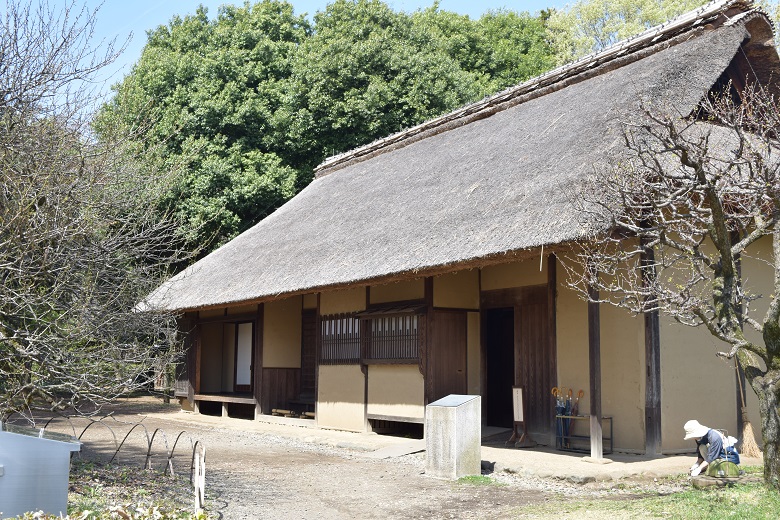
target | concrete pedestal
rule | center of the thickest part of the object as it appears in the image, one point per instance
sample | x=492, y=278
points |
x=453, y=434
x=34, y=469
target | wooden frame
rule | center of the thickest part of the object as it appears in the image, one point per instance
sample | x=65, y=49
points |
x=237, y=388
x=343, y=335
x=518, y=298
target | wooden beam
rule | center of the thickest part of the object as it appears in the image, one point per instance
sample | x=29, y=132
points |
x=317, y=356
x=594, y=357
x=189, y=329
x=364, y=369
x=652, y=360
x=257, y=361
x=196, y=359
x=428, y=383
x=552, y=293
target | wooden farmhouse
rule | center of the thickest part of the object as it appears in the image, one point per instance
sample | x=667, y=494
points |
x=428, y=263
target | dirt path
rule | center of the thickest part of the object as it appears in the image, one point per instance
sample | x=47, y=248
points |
x=255, y=474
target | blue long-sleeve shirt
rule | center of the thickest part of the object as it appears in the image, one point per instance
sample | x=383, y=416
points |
x=714, y=443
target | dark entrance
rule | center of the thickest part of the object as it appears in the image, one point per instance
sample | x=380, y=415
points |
x=519, y=350
x=500, y=347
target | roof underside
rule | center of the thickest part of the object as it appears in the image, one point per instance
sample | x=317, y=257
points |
x=496, y=185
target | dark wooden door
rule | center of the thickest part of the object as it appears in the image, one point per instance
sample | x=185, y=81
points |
x=447, y=361
x=308, y=353
x=535, y=366
x=500, y=366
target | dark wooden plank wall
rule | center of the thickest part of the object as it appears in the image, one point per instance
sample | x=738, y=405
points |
x=533, y=357
x=257, y=358
x=280, y=386
x=448, y=354
x=185, y=368
x=308, y=351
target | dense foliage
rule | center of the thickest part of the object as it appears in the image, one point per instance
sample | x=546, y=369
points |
x=589, y=26
x=248, y=102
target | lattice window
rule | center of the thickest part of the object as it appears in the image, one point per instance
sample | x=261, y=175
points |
x=340, y=340
x=393, y=339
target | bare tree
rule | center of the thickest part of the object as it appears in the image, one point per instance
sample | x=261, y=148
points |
x=684, y=204
x=80, y=241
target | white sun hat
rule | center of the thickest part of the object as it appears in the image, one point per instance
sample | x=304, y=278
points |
x=694, y=429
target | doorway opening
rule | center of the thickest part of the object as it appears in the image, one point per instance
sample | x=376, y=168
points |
x=500, y=361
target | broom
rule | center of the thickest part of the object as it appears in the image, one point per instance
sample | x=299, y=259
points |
x=749, y=446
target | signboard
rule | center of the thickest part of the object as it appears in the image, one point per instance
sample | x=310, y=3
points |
x=517, y=403
x=520, y=437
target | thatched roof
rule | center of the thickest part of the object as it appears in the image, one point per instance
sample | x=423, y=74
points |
x=487, y=182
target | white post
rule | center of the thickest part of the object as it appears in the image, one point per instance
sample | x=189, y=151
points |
x=199, y=479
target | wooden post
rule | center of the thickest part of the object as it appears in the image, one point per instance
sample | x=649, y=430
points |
x=257, y=362
x=594, y=357
x=552, y=292
x=428, y=378
x=197, y=357
x=317, y=357
x=652, y=359
x=199, y=476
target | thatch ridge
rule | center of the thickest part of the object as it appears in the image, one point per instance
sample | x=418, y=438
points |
x=625, y=51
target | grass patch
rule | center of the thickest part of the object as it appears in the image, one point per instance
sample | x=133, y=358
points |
x=749, y=501
x=478, y=480
x=102, y=491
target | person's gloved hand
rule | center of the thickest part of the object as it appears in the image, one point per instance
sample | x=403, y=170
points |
x=695, y=472
x=695, y=465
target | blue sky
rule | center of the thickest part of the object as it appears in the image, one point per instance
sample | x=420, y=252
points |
x=123, y=19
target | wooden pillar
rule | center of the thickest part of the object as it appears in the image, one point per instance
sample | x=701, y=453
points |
x=257, y=363
x=317, y=357
x=552, y=292
x=428, y=383
x=185, y=371
x=197, y=344
x=363, y=367
x=652, y=359
x=594, y=357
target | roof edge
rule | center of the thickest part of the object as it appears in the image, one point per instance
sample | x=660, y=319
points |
x=624, y=52
x=435, y=270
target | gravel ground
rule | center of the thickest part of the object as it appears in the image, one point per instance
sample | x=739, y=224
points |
x=255, y=474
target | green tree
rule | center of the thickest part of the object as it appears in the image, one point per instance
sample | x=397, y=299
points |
x=212, y=87
x=369, y=71
x=591, y=25
x=503, y=47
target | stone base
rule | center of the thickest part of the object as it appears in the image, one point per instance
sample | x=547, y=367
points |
x=597, y=461
x=704, y=482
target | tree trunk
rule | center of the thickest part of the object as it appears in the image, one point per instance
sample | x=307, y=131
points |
x=767, y=390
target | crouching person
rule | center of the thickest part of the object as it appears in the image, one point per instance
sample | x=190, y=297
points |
x=714, y=451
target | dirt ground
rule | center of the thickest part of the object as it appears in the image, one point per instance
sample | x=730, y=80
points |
x=265, y=474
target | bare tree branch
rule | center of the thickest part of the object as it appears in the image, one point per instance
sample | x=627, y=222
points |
x=81, y=241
